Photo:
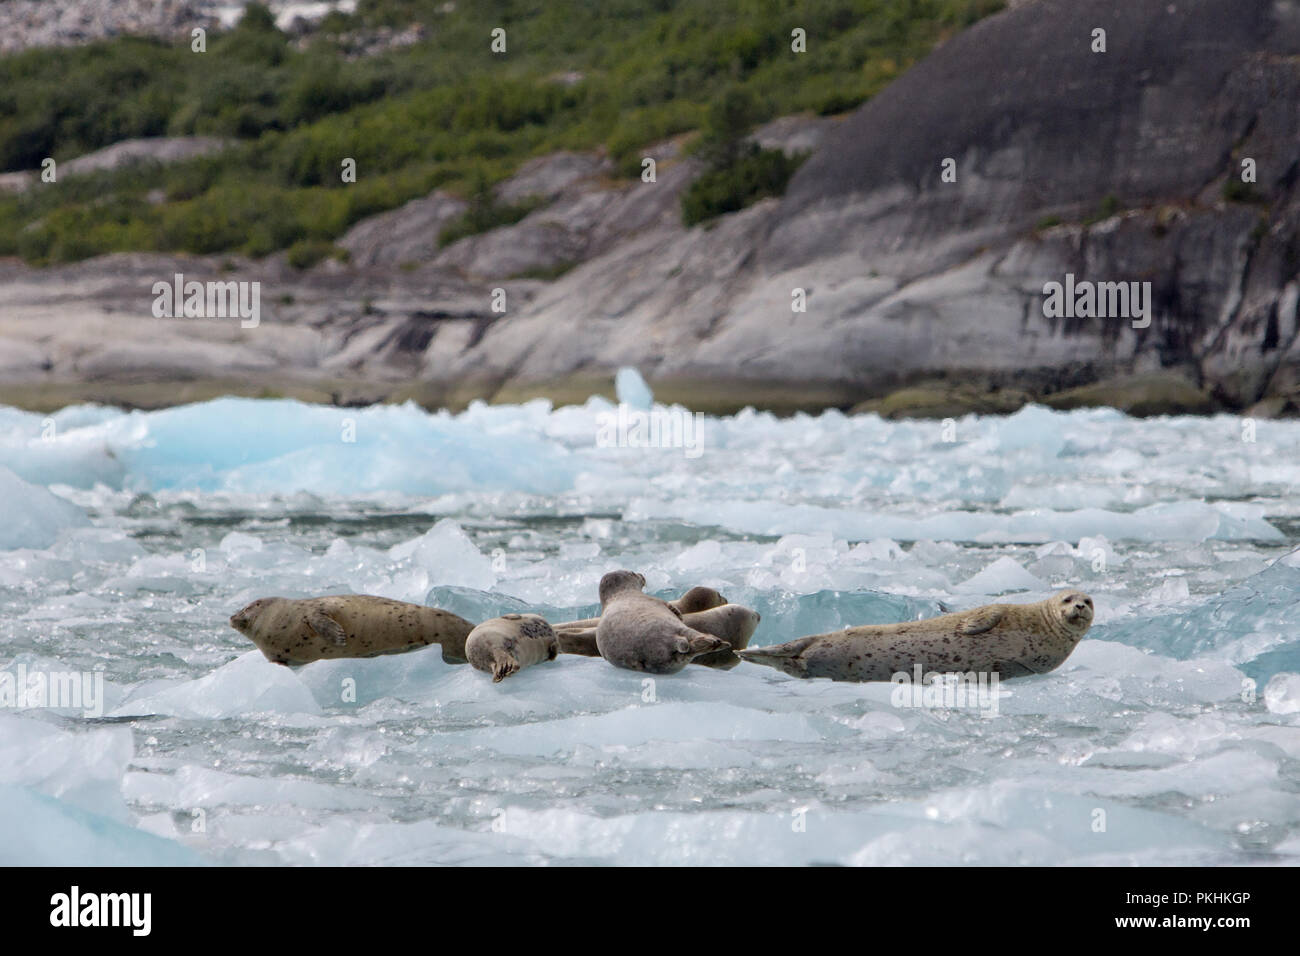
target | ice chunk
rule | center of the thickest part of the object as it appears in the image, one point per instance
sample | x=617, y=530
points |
x=1252, y=624
x=1033, y=427
x=632, y=390
x=38, y=830
x=250, y=684
x=447, y=555
x=1003, y=575
x=1099, y=552
x=30, y=516
x=82, y=769
x=1282, y=694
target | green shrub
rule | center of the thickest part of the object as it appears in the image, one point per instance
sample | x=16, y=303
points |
x=485, y=213
x=1109, y=206
x=305, y=253
x=754, y=176
x=1234, y=190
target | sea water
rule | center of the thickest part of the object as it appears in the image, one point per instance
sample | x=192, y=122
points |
x=1172, y=735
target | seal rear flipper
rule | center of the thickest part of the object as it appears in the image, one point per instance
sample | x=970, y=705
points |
x=708, y=644
x=327, y=628
x=581, y=625
x=788, y=649
x=579, y=642
x=722, y=660
x=503, y=665
x=981, y=621
x=784, y=657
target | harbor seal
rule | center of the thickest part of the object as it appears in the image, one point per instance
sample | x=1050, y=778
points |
x=643, y=633
x=302, y=630
x=503, y=645
x=734, y=623
x=1011, y=640
x=698, y=599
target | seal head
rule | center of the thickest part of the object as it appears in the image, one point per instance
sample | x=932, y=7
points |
x=698, y=599
x=244, y=619
x=616, y=582
x=1074, y=609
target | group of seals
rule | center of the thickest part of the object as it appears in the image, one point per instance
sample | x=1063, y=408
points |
x=639, y=632
x=700, y=609
x=643, y=633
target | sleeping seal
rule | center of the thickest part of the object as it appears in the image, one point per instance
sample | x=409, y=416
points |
x=643, y=633
x=302, y=630
x=1012, y=640
x=502, y=645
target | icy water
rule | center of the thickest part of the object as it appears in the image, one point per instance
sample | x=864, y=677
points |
x=1172, y=735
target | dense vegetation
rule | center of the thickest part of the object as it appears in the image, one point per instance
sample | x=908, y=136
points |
x=446, y=112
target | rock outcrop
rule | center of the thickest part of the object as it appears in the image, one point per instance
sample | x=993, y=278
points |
x=159, y=149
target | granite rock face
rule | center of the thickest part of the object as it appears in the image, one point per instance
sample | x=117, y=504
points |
x=1121, y=166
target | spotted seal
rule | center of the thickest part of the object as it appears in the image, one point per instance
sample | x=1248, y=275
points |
x=302, y=630
x=1011, y=640
x=503, y=645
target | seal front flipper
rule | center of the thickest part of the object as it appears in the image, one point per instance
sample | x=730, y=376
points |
x=327, y=628
x=981, y=620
